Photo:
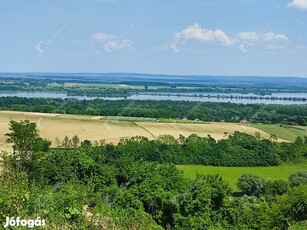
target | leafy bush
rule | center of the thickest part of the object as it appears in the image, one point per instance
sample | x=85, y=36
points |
x=297, y=178
x=251, y=184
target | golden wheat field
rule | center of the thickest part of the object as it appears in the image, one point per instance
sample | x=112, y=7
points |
x=112, y=130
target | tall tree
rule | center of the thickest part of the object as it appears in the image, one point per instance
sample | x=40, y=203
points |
x=23, y=135
x=66, y=143
x=75, y=141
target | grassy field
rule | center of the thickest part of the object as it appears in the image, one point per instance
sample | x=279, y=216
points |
x=231, y=174
x=285, y=132
x=112, y=129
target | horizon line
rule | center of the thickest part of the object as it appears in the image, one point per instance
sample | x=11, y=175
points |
x=159, y=74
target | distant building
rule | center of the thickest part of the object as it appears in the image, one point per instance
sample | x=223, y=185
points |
x=244, y=122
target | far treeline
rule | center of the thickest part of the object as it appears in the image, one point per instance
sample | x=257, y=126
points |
x=114, y=187
x=203, y=111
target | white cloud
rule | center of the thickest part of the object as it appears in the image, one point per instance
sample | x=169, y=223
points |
x=275, y=37
x=298, y=4
x=121, y=45
x=248, y=36
x=110, y=42
x=196, y=32
x=102, y=37
x=269, y=37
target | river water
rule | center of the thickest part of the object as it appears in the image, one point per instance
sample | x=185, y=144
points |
x=204, y=97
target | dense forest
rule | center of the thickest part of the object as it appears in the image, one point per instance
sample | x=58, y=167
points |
x=81, y=186
x=237, y=150
x=240, y=149
x=203, y=111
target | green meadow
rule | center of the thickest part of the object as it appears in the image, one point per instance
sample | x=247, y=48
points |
x=287, y=132
x=231, y=174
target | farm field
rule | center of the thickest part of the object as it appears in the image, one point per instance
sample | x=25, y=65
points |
x=231, y=174
x=68, y=85
x=112, y=129
x=98, y=86
x=285, y=132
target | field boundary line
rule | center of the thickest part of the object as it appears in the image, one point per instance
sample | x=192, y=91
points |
x=144, y=129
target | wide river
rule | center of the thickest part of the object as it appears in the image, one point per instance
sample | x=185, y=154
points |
x=211, y=97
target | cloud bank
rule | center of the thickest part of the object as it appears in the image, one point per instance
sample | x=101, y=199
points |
x=218, y=37
x=298, y=4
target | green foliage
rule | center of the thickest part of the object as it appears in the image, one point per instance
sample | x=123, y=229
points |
x=112, y=187
x=251, y=184
x=207, y=111
x=298, y=178
x=280, y=187
x=201, y=203
x=25, y=139
x=66, y=142
x=86, y=143
x=248, y=212
x=301, y=225
x=75, y=141
x=23, y=135
x=42, y=145
x=292, y=205
x=240, y=149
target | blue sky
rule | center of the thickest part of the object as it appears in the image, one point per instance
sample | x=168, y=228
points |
x=214, y=37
